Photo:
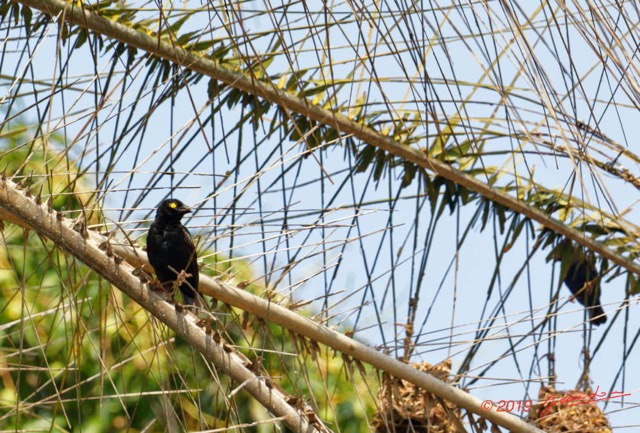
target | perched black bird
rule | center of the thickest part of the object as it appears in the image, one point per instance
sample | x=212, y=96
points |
x=171, y=251
x=581, y=280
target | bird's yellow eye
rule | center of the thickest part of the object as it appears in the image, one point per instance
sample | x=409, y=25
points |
x=173, y=205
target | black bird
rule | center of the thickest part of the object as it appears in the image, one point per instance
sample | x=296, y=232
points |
x=581, y=279
x=171, y=251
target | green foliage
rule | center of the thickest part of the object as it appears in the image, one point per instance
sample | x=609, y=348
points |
x=39, y=168
x=77, y=355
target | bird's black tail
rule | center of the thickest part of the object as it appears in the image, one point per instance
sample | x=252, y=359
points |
x=597, y=316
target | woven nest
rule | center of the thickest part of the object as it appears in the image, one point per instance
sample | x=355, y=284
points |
x=568, y=411
x=404, y=407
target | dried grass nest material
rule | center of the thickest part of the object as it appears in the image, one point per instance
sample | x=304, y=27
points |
x=404, y=407
x=568, y=411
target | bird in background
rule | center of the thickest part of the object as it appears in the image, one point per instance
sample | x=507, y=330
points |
x=582, y=279
x=171, y=251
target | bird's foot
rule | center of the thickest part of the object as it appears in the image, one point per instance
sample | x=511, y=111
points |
x=182, y=278
x=157, y=286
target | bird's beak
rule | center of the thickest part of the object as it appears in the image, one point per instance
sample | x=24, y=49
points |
x=185, y=209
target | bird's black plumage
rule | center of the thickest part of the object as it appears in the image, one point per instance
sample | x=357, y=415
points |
x=171, y=250
x=578, y=275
